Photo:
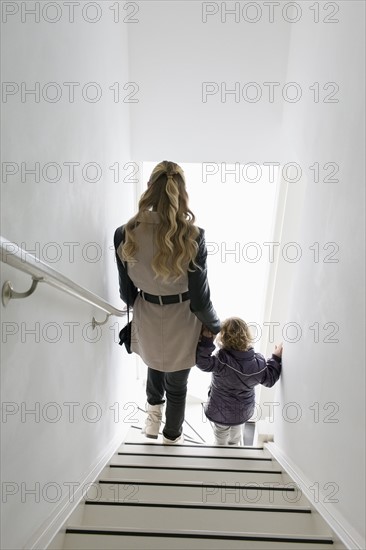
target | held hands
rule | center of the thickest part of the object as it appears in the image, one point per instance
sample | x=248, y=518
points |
x=278, y=350
x=207, y=333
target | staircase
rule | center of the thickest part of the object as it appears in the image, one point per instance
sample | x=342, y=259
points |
x=153, y=496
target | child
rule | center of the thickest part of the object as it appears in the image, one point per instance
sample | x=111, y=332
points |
x=236, y=370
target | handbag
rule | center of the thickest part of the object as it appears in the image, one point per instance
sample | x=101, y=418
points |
x=125, y=336
x=125, y=333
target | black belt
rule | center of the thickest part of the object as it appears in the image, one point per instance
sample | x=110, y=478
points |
x=164, y=300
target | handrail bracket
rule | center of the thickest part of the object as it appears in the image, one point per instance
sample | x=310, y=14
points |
x=8, y=293
x=96, y=323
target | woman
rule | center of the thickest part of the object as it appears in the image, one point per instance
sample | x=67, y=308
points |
x=166, y=281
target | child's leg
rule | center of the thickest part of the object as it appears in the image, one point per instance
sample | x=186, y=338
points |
x=221, y=433
x=235, y=434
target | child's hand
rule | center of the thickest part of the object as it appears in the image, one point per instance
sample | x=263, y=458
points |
x=278, y=350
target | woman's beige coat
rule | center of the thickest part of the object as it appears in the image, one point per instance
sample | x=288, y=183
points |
x=164, y=336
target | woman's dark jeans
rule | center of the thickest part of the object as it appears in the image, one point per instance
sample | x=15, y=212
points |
x=174, y=385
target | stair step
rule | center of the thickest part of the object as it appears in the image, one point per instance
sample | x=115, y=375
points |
x=127, y=515
x=204, y=497
x=196, y=450
x=199, y=493
x=196, y=462
x=178, y=475
x=117, y=539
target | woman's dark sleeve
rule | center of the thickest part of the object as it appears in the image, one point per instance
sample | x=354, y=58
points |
x=127, y=289
x=199, y=289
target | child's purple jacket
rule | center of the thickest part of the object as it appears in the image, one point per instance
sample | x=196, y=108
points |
x=235, y=373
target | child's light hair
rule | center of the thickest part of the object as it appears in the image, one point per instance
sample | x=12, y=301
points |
x=235, y=334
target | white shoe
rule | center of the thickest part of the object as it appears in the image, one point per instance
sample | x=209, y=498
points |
x=176, y=441
x=153, y=420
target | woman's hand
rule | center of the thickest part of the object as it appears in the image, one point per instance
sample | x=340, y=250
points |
x=207, y=333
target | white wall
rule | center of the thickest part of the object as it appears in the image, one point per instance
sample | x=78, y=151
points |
x=37, y=451
x=173, y=52
x=328, y=449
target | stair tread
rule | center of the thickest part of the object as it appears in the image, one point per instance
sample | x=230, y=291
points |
x=75, y=541
x=200, y=505
x=128, y=516
x=195, y=450
x=189, y=483
x=186, y=533
x=196, y=494
x=180, y=475
x=195, y=462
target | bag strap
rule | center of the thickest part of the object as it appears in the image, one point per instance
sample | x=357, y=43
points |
x=128, y=304
x=126, y=264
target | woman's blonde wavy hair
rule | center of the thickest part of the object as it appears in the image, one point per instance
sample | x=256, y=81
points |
x=176, y=233
x=235, y=334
